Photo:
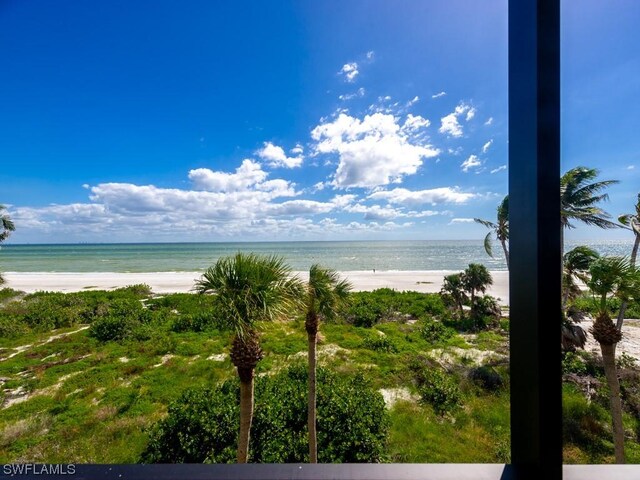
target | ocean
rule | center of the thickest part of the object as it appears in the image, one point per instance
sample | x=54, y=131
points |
x=189, y=257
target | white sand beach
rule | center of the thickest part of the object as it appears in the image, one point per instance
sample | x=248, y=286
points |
x=168, y=282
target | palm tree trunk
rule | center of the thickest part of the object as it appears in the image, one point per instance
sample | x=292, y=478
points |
x=246, y=412
x=311, y=422
x=506, y=252
x=609, y=360
x=632, y=261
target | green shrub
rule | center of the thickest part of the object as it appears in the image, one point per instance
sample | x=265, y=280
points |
x=485, y=312
x=487, y=378
x=11, y=327
x=584, y=423
x=574, y=363
x=379, y=343
x=140, y=290
x=9, y=293
x=202, y=425
x=434, y=332
x=198, y=322
x=440, y=390
x=113, y=328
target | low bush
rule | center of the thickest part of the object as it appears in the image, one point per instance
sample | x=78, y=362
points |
x=202, y=425
x=379, y=343
x=435, y=332
x=487, y=378
x=198, y=322
x=114, y=328
x=440, y=390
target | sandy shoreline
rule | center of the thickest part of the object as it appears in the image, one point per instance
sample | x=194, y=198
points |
x=168, y=282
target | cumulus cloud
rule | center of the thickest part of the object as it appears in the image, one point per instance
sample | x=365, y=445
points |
x=247, y=175
x=276, y=157
x=434, y=196
x=373, y=151
x=413, y=123
x=471, y=162
x=485, y=147
x=349, y=71
x=450, y=125
x=499, y=169
x=438, y=95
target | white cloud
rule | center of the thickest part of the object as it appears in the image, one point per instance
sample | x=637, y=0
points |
x=435, y=196
x=297, y=150
x=412, y=101
x=373, y=151
x=413, y=123
x=438, y=95
x=485, y=147
x=247, y=175
x=276, y=157
x=461, y=220
x=471, y=162
x=631, y=167
x=470, y=114
x=489, y=121
x=499, y=169
x=349, y=96
x=371, y=55
x=350, y=71
x=449, y=123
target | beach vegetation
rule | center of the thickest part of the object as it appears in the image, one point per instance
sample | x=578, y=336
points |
x=250, y=289
x=612, y=276
x=6, y=227
x=353, y=422
x=326, y=297
x=499, y=228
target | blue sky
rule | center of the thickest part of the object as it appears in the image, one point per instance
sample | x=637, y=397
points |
x=332, y=120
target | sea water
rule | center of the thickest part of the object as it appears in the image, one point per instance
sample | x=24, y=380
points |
x=343, y=256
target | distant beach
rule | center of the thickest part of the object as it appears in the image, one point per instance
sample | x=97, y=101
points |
x=168, y=282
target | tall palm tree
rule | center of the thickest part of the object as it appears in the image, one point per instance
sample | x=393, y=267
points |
x=576, y=263
x=500, y=229
x=612, y=276
x=249, y=289
x=6, y=227
x=326, y=294
x=579, y=196
x=632, y=221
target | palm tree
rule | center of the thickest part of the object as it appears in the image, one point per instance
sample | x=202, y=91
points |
x=616, y=277
x=7, y=227
x=500, y=229
x=249, y=289
x=630, y=220
x=454, y=288
x=326, y=293
x=476, y=278
x=577, y=263
x=578, y=198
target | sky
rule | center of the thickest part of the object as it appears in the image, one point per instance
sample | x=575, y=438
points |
x=154, y=121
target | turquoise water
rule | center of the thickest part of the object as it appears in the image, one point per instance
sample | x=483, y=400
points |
x=345, y=256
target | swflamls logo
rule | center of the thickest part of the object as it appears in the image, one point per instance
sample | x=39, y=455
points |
x=14, y=469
